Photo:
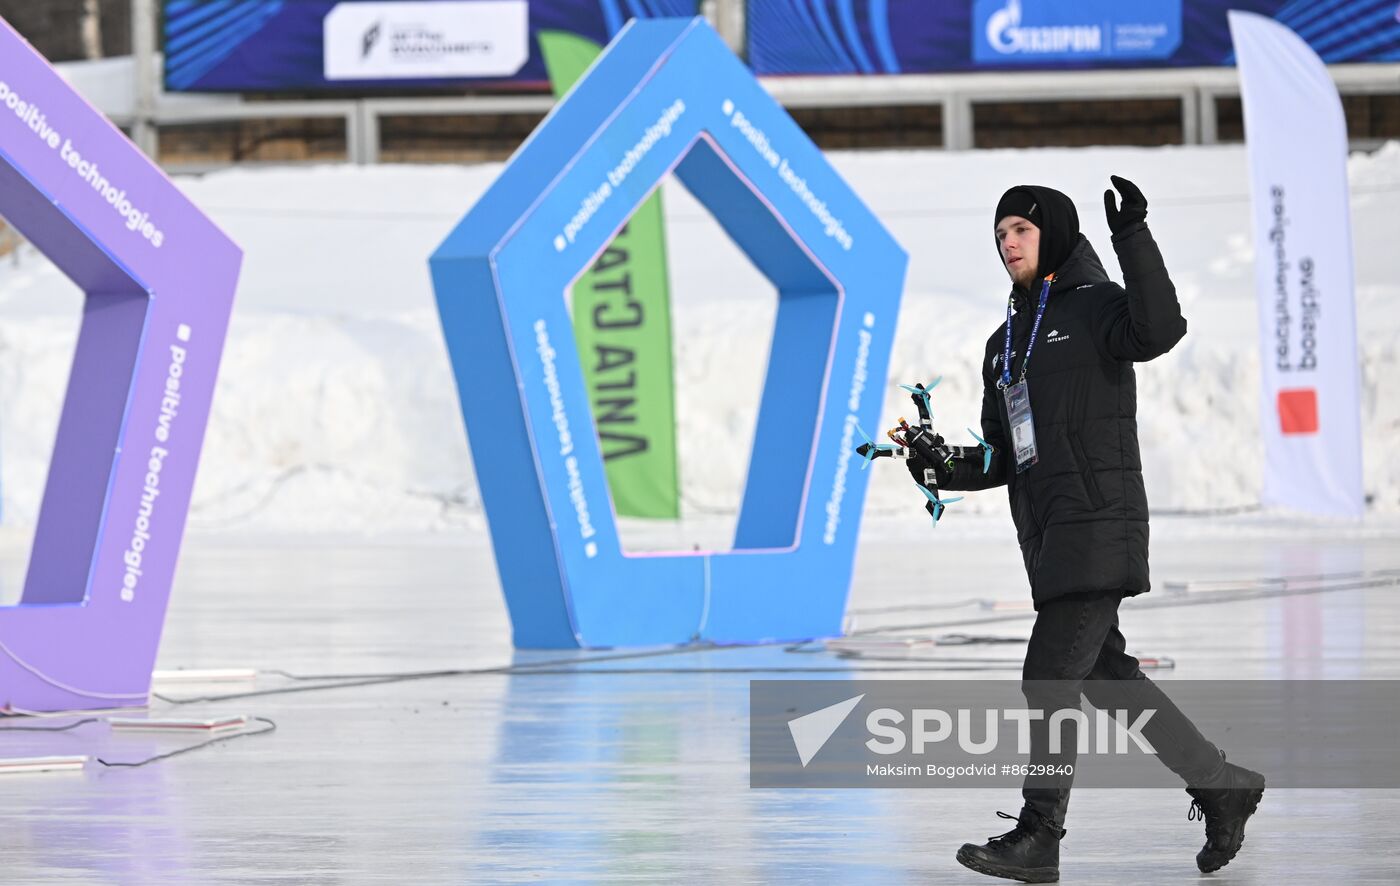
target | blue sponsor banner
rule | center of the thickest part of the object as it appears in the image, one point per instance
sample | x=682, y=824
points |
x=1027, y=31
x=917, y=36
x=357, y=45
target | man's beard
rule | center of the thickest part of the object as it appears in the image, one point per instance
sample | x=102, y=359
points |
x=1022, y=274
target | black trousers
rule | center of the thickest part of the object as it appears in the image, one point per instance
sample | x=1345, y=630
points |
x=1076, y=647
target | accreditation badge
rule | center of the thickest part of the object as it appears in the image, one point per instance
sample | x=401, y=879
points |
x=1018, y=410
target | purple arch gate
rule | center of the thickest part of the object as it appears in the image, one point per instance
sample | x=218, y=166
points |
x=159, y=279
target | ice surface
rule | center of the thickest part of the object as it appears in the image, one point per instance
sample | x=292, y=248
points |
x=637, y=770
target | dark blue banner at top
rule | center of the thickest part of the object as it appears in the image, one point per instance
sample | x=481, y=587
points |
x=923, y=36
x=312, y=45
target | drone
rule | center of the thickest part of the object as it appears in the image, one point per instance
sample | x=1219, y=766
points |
x=926, y=443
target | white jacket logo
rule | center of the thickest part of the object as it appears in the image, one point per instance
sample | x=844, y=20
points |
x=1055, y=335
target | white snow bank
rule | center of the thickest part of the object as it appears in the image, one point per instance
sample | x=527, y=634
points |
x=336, y=408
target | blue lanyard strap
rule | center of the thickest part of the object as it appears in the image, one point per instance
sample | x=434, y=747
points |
x=1035, y=328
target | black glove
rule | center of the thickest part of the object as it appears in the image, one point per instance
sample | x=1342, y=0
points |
x=1134, y=209
x=917, y=464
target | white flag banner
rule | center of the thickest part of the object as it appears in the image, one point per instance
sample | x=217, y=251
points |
x=1310, y=365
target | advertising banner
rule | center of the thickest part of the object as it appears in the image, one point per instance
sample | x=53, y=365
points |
x=622, y=323
x=1310, y=367
x=915, y=36
x=1056, y=31
x=414, y=41
x=301, y=45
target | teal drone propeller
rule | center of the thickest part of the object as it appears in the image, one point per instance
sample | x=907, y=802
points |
x=873, y=449
x=921, y=393
x=936, y=505
x=986, y=451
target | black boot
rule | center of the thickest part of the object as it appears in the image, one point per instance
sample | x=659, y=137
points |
x=1225, y=808
x=1029, y=852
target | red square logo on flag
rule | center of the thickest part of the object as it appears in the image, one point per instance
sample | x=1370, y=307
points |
x=1297, y=410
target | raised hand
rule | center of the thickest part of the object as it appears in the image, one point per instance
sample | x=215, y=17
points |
x=1134, y=206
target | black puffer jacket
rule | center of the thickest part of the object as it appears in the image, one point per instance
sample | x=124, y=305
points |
x=1081, y=511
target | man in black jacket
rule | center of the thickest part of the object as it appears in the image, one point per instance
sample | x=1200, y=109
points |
x=1059, y=406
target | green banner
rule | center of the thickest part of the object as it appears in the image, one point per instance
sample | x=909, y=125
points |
x=622, y=323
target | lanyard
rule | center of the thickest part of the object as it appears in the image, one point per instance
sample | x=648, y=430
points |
x=1035, y=328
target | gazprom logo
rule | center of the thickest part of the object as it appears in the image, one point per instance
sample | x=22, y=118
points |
x=1005, y=35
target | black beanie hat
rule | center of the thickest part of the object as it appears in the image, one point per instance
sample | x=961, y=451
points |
x=1050, y=211
x=1018, y=201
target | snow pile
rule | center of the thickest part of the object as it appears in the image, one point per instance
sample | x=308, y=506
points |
x=336, y=407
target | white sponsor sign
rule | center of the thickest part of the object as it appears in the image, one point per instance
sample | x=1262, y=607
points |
x=393, y=41
x=1310, y=365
